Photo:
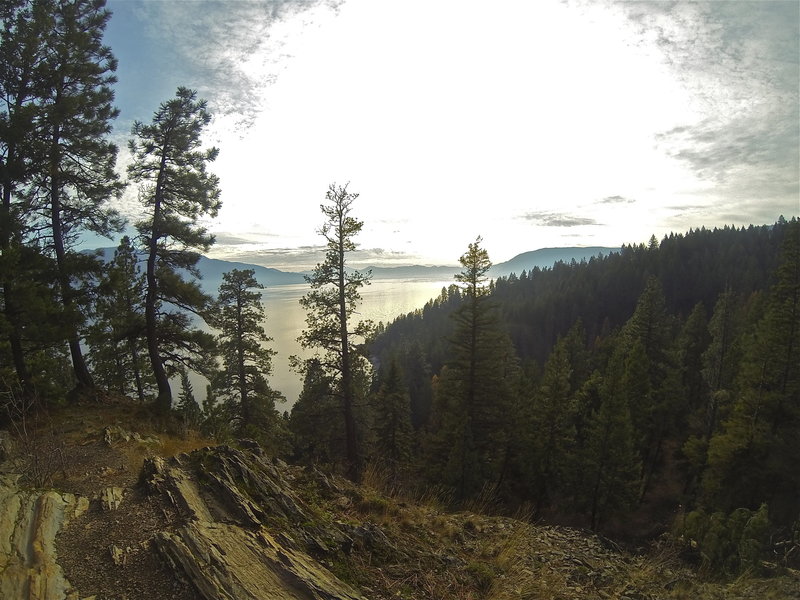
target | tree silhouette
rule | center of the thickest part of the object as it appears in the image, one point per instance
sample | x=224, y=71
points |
x=330, y=306
x=176, y=191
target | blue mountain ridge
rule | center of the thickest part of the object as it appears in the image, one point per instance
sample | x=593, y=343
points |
x=212, y=269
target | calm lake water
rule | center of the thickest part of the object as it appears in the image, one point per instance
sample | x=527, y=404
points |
x=382, y=300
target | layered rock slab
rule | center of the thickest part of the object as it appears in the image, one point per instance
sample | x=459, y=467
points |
x=29, y=523
x=224, y=549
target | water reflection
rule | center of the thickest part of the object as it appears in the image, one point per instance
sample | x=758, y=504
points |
x=383, y=300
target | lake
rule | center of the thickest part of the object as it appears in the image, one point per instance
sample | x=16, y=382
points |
x=382, y=300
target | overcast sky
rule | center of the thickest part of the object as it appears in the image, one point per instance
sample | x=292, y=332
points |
x=533, y=124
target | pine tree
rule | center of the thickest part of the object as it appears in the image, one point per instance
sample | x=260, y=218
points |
x=315, y=424
x=76, y=175
x=552, y=428
x=393, y=433
x=246, y=361
x=330, y=306
x=176, y=191
x=117, y=353
x=477, y=391
x=754, y=457
x=22, y=56
x=651, y=381
x=216, y=417
x=56, y=170
x=188, y=408
x=610, y=463
x=693, y=342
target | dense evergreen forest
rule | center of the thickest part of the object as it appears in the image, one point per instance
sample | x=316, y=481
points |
x=652, y=390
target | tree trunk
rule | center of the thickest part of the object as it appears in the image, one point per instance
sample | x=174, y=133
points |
x=247, y=412
x=137, y=376
x=82, y=375
x=10, y=309
x=164, y=399
x=351, y=445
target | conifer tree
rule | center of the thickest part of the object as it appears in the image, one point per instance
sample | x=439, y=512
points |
x=718, y=366
x=22, y=56
x=188, y=408
x=246, y=361
x=393, y=434
x=315, y=424
x=117, y=353
x=552, y=428
x=651, y=381
x=176, y=191
x=330, y=306
x=216, y=418
x=721, y=359
x=477, y=391
x=693, y=342
x=610, y=463
x=754, y=458
x=76, y=176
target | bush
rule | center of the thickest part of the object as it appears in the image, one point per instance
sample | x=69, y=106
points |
x=38, y=452
x=728, y=544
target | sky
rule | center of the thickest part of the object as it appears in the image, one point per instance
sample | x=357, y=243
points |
x=531, y=124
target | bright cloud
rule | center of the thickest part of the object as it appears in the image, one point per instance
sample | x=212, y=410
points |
x=594, y=121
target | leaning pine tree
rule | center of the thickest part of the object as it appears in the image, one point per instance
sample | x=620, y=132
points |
x=176, y=190
x=330, y=305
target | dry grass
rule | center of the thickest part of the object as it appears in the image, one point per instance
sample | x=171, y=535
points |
x=431, y=553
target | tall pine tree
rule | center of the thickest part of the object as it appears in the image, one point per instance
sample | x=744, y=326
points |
x=393, y=433
x=477, y=392
x=330, y=306
x=552, y=428
x=75, y=175
x=610, y=463
x=22, y=55
x=176, y=191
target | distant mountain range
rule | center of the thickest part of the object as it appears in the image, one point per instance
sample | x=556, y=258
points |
x=212, y=269
x=547, y=257
x=542, y=258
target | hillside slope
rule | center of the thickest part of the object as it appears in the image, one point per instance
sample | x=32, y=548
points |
x=143, y=513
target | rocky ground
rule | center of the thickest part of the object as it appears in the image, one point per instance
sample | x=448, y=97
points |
x=106, y=502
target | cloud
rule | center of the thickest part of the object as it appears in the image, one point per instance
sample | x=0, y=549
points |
x=286, y=259
x=616, y=200
x=229, y=239
x=230, y=50
x=740, y=62
x=557, y=219
x=303, y=258
x=742, y=151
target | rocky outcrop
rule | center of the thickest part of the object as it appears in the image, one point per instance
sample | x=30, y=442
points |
x=29, y=523
x=246, y=535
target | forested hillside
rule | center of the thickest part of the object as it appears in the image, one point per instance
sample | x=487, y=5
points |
x=651, y=389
